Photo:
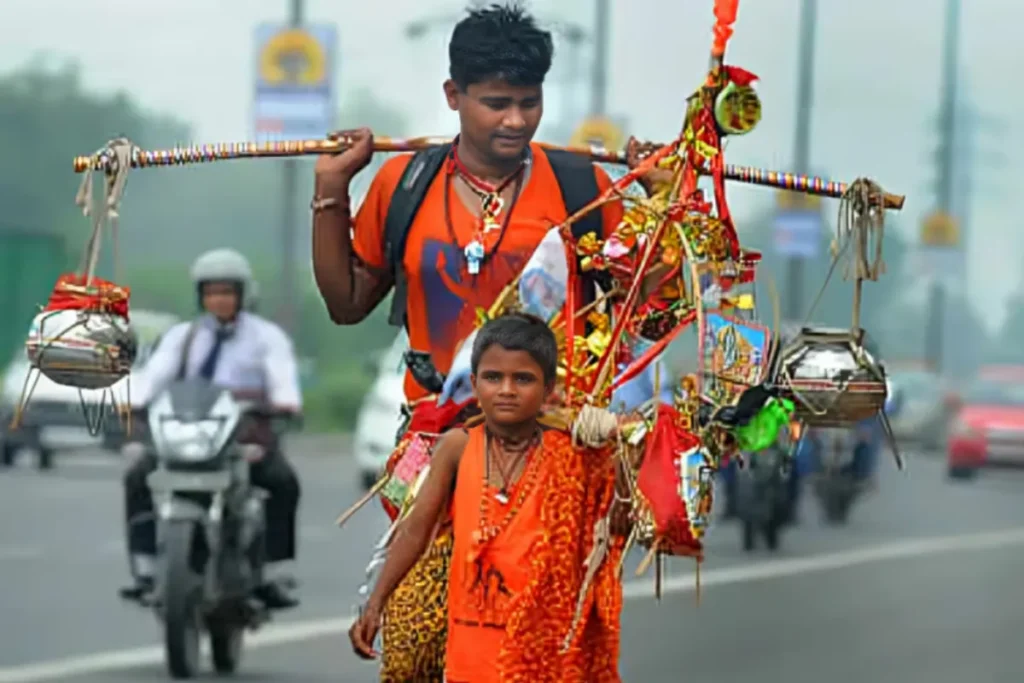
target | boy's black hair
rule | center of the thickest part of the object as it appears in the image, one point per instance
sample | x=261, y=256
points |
x=500, y=41
x=519, y=332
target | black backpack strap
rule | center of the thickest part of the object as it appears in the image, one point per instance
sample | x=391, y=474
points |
x=577, y=180
x=405, y=202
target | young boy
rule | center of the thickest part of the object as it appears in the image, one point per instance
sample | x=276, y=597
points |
x=524, y=505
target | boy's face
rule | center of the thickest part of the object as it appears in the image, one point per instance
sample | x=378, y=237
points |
x=497, y=118
x=509, y=386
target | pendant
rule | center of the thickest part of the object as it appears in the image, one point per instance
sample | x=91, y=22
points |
x=474, y=253
x=492, y=205
x=501, y=497
x=490, y=223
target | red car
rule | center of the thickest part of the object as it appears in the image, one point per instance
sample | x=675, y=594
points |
x=988, y=430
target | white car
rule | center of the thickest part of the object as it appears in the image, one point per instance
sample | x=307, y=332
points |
x=925, y=408
x=380, y=416
x=53, y=419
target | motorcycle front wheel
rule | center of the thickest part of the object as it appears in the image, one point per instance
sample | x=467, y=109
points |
x=181, y=594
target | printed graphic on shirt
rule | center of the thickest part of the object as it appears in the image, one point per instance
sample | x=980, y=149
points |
x=454, y=295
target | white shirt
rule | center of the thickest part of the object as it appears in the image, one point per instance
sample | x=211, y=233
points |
x=258, y=357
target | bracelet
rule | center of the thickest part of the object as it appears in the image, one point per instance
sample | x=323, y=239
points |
x=322, y=203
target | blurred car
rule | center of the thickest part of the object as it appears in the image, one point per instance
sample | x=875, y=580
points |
x=53, y=419
x=380, y=416
x=923, y=408
x=988, y=429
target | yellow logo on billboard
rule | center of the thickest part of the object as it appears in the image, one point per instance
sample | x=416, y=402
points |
x=293, y=57
x=598, y=131
x=940, y=230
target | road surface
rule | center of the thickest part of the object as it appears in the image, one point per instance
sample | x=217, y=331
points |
x=924, y=584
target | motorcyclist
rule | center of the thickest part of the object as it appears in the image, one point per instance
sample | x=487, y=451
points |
x=242, y=352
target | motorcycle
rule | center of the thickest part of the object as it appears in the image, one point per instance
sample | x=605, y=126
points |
x=210, y=524
x=837, y=481
x=843, y=459
x=763, y=496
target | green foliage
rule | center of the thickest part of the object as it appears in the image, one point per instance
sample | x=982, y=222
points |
x=1006, y=346
x=169, y=216
x=333, y=402
x=48, y=119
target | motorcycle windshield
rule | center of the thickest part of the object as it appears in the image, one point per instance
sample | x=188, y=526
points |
x=193, y=399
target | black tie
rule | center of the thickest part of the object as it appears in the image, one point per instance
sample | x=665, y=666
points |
x=209, y=365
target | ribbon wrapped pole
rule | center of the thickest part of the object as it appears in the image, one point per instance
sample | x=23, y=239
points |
x=199, y=154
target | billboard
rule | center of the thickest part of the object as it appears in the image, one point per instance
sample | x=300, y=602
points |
x=295, y=94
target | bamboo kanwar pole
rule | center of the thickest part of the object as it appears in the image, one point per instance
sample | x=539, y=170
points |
x=197, y=154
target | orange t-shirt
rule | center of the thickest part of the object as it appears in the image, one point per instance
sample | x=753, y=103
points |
x=442, y=295
x=481, y=592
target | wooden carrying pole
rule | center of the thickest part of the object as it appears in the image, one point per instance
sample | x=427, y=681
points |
x=197, y=154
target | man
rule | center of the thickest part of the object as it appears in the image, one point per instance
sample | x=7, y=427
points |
x=448, y=229
x=245, y=353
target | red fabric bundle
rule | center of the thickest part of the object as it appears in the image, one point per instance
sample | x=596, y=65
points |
x=72, y=294
x=427, y=418
x=659, y=482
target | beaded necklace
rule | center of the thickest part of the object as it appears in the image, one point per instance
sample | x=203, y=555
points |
x=487, y=532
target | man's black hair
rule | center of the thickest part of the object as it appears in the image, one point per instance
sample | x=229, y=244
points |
x=519, y=332
x=500, y=41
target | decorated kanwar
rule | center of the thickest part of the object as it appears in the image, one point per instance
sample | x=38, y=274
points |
x=545, y=438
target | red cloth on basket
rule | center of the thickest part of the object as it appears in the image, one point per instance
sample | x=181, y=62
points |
x=72, y=294
x=659, y=481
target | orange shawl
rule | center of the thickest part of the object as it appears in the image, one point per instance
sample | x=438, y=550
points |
x=579, y=487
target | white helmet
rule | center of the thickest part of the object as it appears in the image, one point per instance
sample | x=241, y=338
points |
x=225, y=265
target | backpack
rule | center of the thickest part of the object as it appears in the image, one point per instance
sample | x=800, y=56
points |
x=576, y=180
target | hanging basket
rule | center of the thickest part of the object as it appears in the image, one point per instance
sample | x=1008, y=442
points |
x=82, y=338
x=831, y=379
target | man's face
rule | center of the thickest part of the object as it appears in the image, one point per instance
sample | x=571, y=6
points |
x=220, y=299
x=509, y=386
x=498, y=119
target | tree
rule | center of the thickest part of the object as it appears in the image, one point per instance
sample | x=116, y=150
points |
x=363, y=108
x=1005, y=346
x=48, y=118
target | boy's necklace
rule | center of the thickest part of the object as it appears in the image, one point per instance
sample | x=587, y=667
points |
x=487, y=532
x=507, y=457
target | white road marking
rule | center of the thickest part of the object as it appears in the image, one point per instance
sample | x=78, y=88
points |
x=116, y=546
x=300, y=631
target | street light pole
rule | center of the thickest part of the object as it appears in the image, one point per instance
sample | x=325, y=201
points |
x=288, y=302
x=802, y=138
x=936, y=328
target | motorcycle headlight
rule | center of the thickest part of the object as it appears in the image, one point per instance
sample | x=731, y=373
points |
x=191, y=441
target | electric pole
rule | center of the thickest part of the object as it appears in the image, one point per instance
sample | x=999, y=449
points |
x=602, y=44
x=802, y=138
x=288, y=303
x=945, y=182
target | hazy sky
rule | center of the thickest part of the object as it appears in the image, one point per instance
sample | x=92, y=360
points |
x=876, y=84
